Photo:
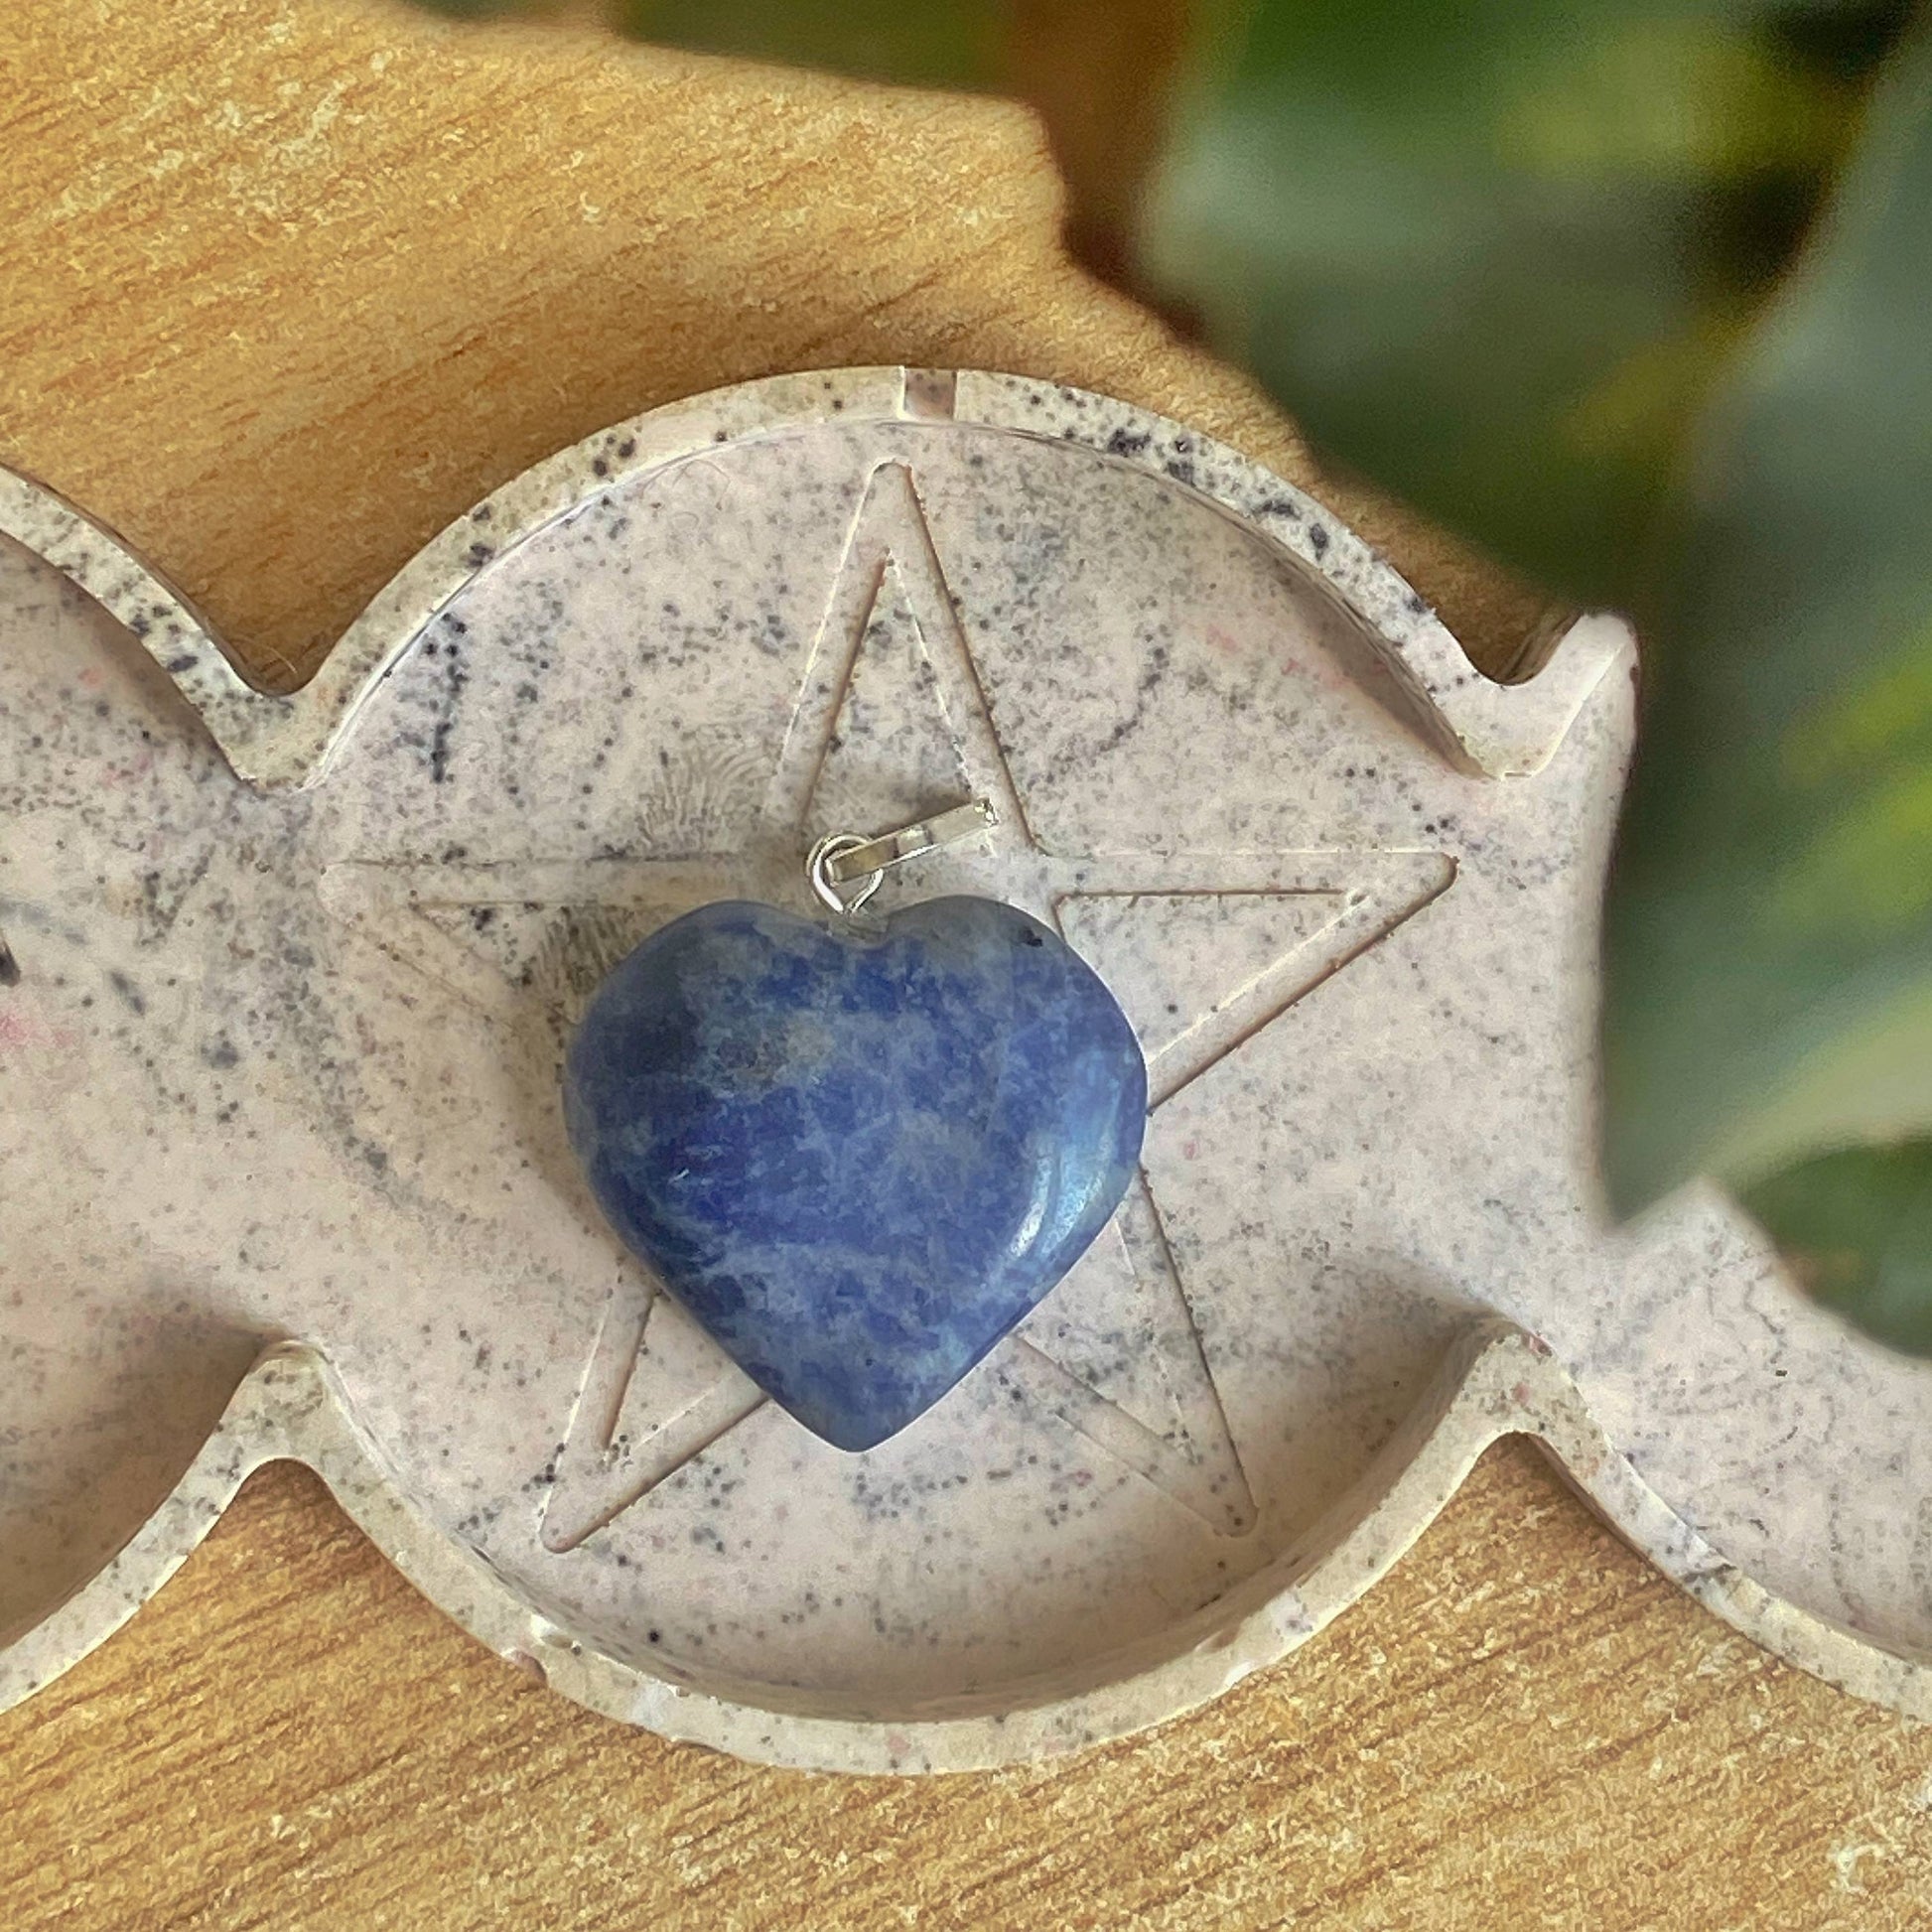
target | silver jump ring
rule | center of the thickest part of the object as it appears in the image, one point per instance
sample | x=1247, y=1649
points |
x=823, y=853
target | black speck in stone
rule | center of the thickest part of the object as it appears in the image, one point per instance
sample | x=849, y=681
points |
x=126, y=988
x=9, y=966
x=178, y=666
x=1318, y=540
x=627, y=449
x=600, y=468
x=480, y=554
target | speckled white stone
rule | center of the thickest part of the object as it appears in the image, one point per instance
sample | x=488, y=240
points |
x=279, y=1074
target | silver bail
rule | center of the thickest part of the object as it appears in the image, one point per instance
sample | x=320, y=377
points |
x=845, y=859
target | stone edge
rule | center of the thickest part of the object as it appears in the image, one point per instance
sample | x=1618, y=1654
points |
x=1497, y=1381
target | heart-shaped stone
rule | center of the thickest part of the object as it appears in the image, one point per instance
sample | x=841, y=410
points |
x=858, y=1156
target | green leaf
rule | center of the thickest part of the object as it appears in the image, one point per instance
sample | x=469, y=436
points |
x=1770, y=930
x=1856, y=1225
x=1493, y=252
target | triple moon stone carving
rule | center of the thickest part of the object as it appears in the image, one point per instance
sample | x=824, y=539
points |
x=284, y=984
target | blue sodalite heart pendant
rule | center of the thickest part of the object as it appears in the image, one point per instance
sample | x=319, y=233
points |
x=859, y=1155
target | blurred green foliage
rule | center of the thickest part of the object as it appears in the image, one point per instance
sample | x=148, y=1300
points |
x=1856, y=1225
x=1637, y=295
x=1492, y=254
x=1769, y=938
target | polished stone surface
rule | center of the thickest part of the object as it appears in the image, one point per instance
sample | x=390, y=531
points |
x=860, y=1154
x=286, y=1064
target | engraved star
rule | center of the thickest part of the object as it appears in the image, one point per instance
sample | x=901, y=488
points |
x=656, y=1391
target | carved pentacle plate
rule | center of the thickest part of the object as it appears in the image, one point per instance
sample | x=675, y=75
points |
x=283, y=1170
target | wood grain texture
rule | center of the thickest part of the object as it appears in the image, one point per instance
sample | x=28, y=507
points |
x=283, y=288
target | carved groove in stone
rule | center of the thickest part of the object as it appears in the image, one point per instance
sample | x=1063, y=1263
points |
x=1656, y=1298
